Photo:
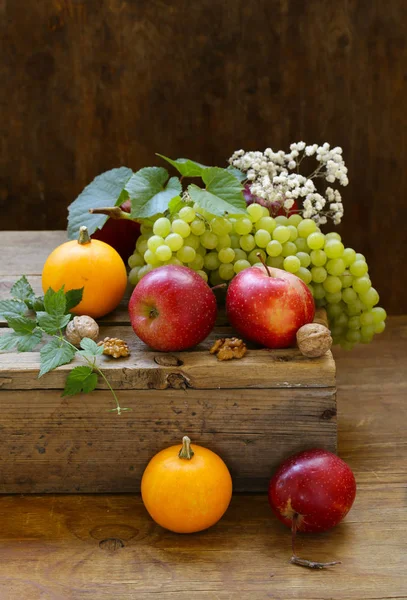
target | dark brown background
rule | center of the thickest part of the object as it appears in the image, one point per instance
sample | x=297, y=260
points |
x=92, y=84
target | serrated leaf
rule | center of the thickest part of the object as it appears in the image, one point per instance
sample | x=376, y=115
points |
x=73, y=297
x=52, y=323
x=12, y=308
x=149, y=193
x=22, y=324
x=223, y=193
x=22, y=290
x=54, y=354
x=90, y=347
x=24, y=342
x=80, y=379
x=55, y=302
x=175, y=205
x=240, y=176
x=37, y=304
x=185, y=166
x=106, y=190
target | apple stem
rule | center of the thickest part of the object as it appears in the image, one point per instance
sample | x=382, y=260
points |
x=303, y=562
x=186, y=451
x=259, y=256
x=114, y=212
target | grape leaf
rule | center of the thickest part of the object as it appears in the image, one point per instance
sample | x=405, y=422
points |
x=22, y=290
x=73, y=297
x=187, y=168
x=175, y=205
x=80, y=379
x=223, y=193
x=106, y=189
x=149, y=192
x=12, y=308
x=240, y=176
x=54, y=354
x=55, y=302
x=52, y=323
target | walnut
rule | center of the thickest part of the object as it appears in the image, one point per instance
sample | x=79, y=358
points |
x=228, y=348
x=81, y=327
x=314, y=339
x=114, y=347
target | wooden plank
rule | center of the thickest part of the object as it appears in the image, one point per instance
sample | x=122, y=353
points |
x=26, y=251
x=54, y=444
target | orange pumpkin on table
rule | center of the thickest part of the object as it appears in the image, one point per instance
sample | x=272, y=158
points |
x=186, y=490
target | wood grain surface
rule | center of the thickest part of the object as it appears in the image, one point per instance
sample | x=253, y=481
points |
x=88, y=85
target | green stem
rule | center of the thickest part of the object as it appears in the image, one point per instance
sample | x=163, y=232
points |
x=186, y=451
x=84, y=237
x=114, y=212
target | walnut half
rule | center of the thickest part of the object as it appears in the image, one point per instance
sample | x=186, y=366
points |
x=228, y=348
x=114, y=347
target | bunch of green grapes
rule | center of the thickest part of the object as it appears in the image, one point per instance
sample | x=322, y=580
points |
x=218, y=248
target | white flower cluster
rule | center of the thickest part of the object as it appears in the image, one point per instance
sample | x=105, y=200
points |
x=271, y=182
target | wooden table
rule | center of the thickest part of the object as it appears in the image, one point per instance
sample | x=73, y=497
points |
x=106, y=547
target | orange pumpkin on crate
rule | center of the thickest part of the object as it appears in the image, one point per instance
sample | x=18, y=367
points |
x=90, y=264
x=186, y=490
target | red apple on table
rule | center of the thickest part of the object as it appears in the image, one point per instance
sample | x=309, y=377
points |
x=172, y=308
x=122, y=234
x=268, y=306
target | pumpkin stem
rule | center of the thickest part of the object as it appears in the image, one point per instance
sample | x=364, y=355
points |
x=84, y=237
x=186, y=451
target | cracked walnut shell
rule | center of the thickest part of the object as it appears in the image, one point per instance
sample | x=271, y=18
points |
x=228, y=348
x=81, y=327
x=115, y=347
x=314, y=339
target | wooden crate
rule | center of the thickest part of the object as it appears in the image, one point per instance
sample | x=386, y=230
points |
x=253, y=412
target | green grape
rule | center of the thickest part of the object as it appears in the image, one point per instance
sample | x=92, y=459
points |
x=262, y=237
x=318, y=290
x=295, y=219
x=234, y=241
x=135, y=260
x=379, y=327
x=369, y=298
x=255, y=212
x=289, y=249
x=275, y=261
x=281, y=234
x=162, y=227
x=332, y=284
x=304, y=259
x=353, y=336
x=367, y=330
x=154, y=241
x=358, y=268
x=266, y=212
x=174, y=261
x=186, y=254
x=247, y=242
x=163, y=253
x=215, y=278
x=243, y=226
x=316, y=240
x=151, y=258
x=306, y=227
x=333, y=236
x=361, y=284
x=240, y=265
x=334, y=249
x=145, y=229
x=197, y=226
x=266, y=223
x=197, y=263
x=304, y=274
x=209, y=240
x=201, y=250
x=226, y=255
x=203, y=275
x=133, y=275
x=281, y=220
x=354, y=323
x=335, y=310
x=379, y=314
x=301, y=244
x=346, y=345
x=318, y=258
x=360, y=256
x=240, y=254
x=319, y=274
x=187, y=214
x=366, y=318
x=346, y=278
x=335, y=266
x=226, y=271
x=293, y=232
x=174, y=241
x=320, y=301
x=349, y=256
x=221, y=226
x=253, y=258
x=141, y=245
x=342, y=320
x=274, y=248
x=291, y=264
x=337, y=331
x=349, y=295
x=211, y=261
x=333, y=297
x=193, y=241
x=179, y=226
x=144, y=270
x=355, y=308
x=223, y=241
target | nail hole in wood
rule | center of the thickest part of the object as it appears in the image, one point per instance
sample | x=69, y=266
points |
x=111, y=544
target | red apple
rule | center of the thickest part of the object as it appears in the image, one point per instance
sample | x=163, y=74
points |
x=268, y=306
x=172, y=308
x=120, y=233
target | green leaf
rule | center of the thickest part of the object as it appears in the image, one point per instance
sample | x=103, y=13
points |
x=80, y=379
x=12, y=308
x=105, y=190
x=240, y=176
x=22, y=290
x=25, y=342
x=175, y=205
x=22, y=324
x=90, y=347
x=223, y=193
x=149, y=193
x=73, y=297
x=55, y=302
x=52, y=323
x=187, y=168
x=54, y=354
